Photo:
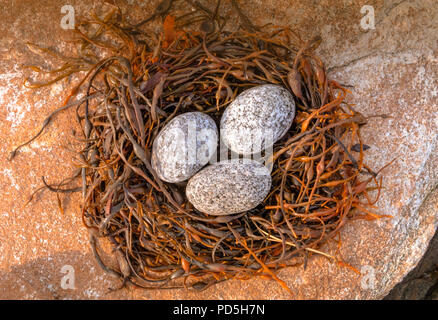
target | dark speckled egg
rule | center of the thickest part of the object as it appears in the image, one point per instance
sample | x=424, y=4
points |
x=229, y=187
x=184, y=146
x=257, y=118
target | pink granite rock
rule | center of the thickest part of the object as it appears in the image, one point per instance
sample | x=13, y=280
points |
x=393, y=70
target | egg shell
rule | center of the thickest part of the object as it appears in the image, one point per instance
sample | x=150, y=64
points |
x=257, y=118
x=229, y=187
x=184, y=146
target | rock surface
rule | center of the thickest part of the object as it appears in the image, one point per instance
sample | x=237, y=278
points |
x=422, y=282
x=393, y=70
x=257, y=118
x=229, y=187
x=184, y=146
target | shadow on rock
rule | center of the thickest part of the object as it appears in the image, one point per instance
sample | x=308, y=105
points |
x=64, y=275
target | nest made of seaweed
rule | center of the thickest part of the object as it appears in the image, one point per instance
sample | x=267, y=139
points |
x=143, y=80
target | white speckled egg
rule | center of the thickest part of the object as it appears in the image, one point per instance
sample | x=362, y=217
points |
x=184, y=146
x=229, y=187
x=257, y=118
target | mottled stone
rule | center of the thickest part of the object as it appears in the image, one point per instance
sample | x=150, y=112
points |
x=257, y=118
x=184, y=146
x=228, y=187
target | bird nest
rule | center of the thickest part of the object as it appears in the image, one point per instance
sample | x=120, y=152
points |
x=137, y=80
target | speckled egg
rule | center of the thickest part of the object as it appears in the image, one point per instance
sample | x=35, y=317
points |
x=257, y=118
x=229, y=187
x=184, y=146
